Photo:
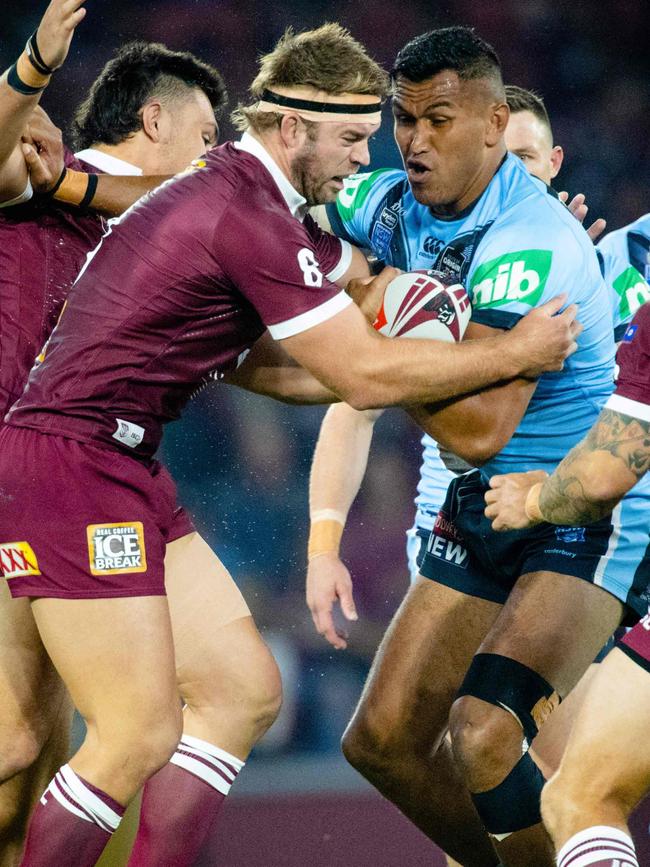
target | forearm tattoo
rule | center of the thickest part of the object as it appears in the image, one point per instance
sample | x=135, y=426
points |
x=567, y=496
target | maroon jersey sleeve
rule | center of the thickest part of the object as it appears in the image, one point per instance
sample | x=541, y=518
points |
x=280, y=265
x=632, y=394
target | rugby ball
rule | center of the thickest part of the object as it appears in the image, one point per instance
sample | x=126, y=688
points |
x=420, y=304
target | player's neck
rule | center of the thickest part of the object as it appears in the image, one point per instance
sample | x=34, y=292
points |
x=275, y=149
x=475, y=188
x=132, y=152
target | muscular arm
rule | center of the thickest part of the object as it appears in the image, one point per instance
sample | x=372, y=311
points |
x=585, y=486
x=340, y=458
x=478, y=426
x=370, y=371
x=337, y=471
x=53, y=37
x=267, y=369
x=598, y=472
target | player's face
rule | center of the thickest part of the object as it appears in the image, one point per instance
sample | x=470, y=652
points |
x=188, y=129
x=331, y=152
x=529, y=139
x=449, y=133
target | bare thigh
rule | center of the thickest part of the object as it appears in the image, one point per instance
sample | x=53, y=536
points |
x=32, y=695
x=554, y=624
x=605, y=769
x=226, y=673
x=116, y=658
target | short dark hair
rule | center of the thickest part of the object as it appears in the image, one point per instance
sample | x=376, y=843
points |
x=457, y=48
x=138, y=72
x=520, y=99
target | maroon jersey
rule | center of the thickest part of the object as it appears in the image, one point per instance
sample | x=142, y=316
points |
x=632, y=394
x=43, y=245
x=179, y=289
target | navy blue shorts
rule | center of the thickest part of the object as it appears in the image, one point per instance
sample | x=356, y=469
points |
x=466, y=554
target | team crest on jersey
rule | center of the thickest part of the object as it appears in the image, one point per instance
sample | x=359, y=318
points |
x=116, y=548
x=380, y=240
x=17, y=560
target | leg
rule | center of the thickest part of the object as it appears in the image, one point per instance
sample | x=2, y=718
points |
x=232, y=692
x=396, y=738
x=35, y=717
x=605, y=770
x=577, y=619
x=116, y=658
x=548, y=747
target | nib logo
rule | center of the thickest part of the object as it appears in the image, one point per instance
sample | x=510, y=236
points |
x=518, y=277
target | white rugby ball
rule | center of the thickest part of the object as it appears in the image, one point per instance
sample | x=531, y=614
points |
x=419, y=304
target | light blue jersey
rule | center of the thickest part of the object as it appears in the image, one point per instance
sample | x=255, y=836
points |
x=624, y=257
x=514, y=249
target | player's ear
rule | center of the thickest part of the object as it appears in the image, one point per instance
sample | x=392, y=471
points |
x=151, y=117
x=497, y=123
x=557, y=157
x=292, y=131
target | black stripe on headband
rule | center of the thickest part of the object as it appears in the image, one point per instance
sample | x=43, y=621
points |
x=312, y=105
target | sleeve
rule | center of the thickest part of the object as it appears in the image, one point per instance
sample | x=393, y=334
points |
x=334, y=254
x=522, y=263
x=627, y=288
x=354, y=214
x=275, y=263
x=632, y=394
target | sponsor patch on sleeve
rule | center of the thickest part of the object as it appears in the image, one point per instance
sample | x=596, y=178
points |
x=116, y=548
x=17, y=560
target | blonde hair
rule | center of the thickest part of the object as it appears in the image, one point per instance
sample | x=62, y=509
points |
x=328, y=59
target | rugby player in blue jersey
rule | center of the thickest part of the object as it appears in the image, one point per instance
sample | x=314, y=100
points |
x=501, y=233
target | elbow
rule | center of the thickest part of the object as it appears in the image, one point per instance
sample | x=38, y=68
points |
x=478, y=449
x=362, y=398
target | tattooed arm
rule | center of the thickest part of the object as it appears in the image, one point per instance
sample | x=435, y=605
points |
x=586, y=485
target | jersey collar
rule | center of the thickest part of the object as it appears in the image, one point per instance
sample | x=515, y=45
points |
x=107, y=163
x=296, y=203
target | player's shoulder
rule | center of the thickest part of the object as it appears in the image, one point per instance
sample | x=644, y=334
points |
x=362, y=192
x=531, y=211
x=533, y=246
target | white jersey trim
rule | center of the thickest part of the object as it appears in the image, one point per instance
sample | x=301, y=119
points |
x=344, y=262
x=310, y=318
x=107, y=163
x=627, y=406
x=25, y=196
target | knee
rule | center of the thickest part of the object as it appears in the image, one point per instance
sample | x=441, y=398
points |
x=250, y=697
x=486, y=740
x=261, y=694
x=144, y=743
x=372, y=744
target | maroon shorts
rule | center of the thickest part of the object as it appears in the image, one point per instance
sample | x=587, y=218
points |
x=78, y=521
x=636, y=643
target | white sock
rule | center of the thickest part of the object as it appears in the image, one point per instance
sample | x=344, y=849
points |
x=601, y=845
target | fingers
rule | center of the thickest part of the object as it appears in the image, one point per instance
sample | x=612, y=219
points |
x=347, y=601
x=550, y=308
x=563, y=197
x=382, y=280
x=596, y=229
x=324, y=623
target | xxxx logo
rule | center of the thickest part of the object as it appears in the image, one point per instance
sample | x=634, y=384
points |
x=17, y=560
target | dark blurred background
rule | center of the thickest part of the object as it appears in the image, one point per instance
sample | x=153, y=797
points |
x=242, y=462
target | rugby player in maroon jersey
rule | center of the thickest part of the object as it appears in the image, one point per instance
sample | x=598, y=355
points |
x=176, y=294
x=605, y=769
x=165, y=118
